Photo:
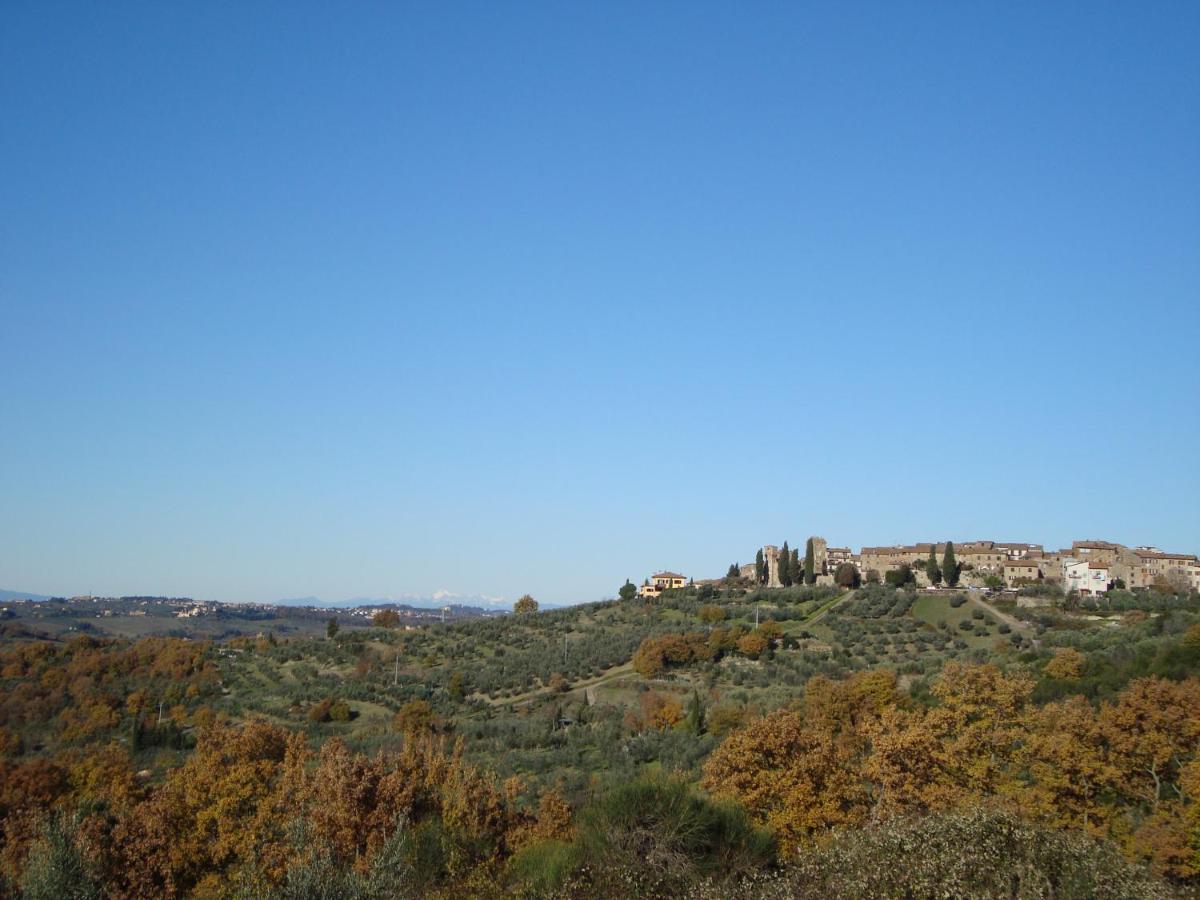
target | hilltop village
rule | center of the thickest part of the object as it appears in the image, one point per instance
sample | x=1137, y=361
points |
x=1087, y=568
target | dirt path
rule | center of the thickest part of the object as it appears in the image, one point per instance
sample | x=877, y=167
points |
x=586, y=684
x=825, y=610
x=1003, y=617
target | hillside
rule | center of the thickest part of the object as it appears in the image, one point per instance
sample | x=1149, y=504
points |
x=567, y=705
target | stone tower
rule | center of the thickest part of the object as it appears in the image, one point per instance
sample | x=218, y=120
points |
x=771, y=556
x=820, y=555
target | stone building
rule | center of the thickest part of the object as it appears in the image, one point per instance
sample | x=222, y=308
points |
x=771, y=557
x=1018, y=572
x=1181, y=570
x=820, y=555
x=835, y=556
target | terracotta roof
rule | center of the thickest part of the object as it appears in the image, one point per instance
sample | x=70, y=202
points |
x=668, y=575
x=1158, y=554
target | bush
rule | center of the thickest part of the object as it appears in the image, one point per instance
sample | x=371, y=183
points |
x=543, y=867
x=55, y=868
x=980, y=853
x=653, y=837
x=957, y=600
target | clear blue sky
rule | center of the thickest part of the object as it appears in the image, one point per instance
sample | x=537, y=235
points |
x=371, y=299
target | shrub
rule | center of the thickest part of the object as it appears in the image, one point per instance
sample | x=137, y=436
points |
x=957, y=600
x=544, y=866
x=660, y=835
x=980, y=853
x=56, y=868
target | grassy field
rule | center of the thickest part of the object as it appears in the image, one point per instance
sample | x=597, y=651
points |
x=936, y=610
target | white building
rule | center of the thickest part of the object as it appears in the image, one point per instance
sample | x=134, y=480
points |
x=1088, y=577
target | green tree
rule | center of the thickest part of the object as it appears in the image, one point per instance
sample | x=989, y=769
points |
x=901, y=576
x=932, y=572
x=331, y=628
x=733, y=571
x=810, y=564
x=56, y=868
x=628, y=591
x=457, y=688
x=785, y=565
x=760, y=566
x=694, y=720
x=950, y=568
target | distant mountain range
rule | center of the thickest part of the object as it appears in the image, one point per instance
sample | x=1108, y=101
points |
x=436, y=600
x=20, y=595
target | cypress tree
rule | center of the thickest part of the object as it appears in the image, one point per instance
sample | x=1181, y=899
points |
x=931, y=567
x=694, y=722
x=949, y=566
x=810, y=564
x=796, y=569
x=760, y=566
x=733, y=571
x=785, y=565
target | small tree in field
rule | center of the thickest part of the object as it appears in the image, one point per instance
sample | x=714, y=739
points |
x=331, y=628
x=525, y=605
x=628, y=591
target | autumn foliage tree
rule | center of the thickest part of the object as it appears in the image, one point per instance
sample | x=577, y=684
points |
x=655, y=654
x=525, y=604
x=386, y=618
x=858, y=751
